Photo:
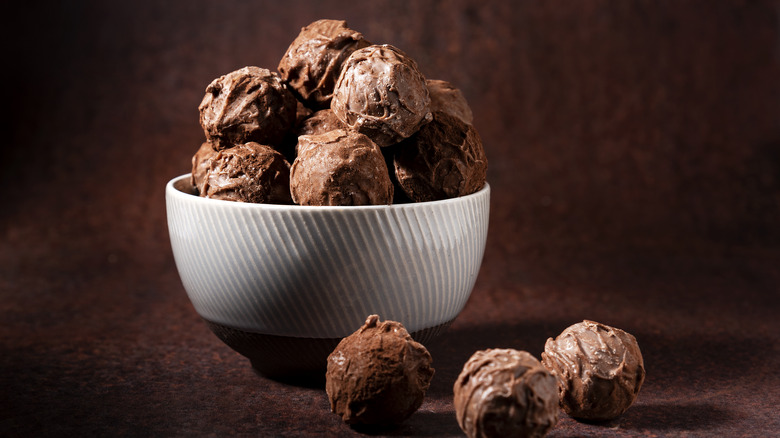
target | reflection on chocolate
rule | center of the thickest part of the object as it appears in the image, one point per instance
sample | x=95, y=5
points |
x=250, y=172
x=320, y=122
x=446, y=98
x=381, y=93
x=313, y=61
x=505, y=392
x=378, y=375
x=445, y=159
x=599, y=370
x=339, y=167
x=249, y=104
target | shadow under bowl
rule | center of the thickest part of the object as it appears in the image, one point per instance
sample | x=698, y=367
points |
x=283, y=284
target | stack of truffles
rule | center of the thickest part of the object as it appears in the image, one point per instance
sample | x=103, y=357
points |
x=343, y=122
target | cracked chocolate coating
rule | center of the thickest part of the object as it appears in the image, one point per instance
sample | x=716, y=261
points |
x=378, y=375
x=505, y=392
x=249, y=104
x=445, y=97
x=599, y=370
x=249, y=172
x=339, y=167
x=445, y=159
x=382, y=94
x=313, y=61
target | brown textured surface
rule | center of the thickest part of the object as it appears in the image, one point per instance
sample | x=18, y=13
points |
x=635, y=168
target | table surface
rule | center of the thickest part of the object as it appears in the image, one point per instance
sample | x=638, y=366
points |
x=635, y=164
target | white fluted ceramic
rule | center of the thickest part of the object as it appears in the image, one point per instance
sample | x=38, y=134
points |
x=318, y=272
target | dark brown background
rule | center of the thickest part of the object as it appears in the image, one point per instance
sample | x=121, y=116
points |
x=634, y=154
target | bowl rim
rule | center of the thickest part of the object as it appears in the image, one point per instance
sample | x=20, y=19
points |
x=173, y=191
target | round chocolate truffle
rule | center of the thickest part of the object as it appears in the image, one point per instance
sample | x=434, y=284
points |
x=444, y=160
x=446, y=98
x=249, y=104
x=378, y=375
x=339, y=167
x=599, y=370
x=505, y=392
x=313, y=61
x=381, y=93
x=249, y=172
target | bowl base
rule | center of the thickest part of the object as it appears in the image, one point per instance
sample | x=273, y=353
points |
x=293, y=359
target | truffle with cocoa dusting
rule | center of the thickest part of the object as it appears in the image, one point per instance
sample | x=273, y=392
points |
x=249, y=172
x=249, y=104
x=381, y=93
x=599, y=370
x=378, y=375
x=445, y=159
x=339, y=167
x=505, y=392
x=447, y=98
x=314, y=59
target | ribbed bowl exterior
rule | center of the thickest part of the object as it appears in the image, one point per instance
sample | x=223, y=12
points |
x=318, y=272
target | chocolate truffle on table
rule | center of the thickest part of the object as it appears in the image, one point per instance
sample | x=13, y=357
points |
x=445, y=159
x=314, y=59
x=446, y=98
x=599, y=370
x=505, y=392
x=378, y=375
x=248, y=172
x=339, y=167
x=381, y=93
x=249, y=104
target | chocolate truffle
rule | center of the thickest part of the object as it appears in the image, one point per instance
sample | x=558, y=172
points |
x=378, y=375
x=249, y=172
x=445, y=159
x=505, y=392
x=201, y=164
x=313, y=61
x=381, y=93
x=320, y=122
x=339, y=167
x=446, y=98
x=249, y=104
x=599, y=370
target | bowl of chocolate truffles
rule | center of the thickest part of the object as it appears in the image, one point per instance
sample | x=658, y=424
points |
x=342, y=185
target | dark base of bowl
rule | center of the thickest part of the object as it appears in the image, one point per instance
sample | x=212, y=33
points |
x=292, y=359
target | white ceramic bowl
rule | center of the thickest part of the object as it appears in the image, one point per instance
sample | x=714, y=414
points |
x=282, y=284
